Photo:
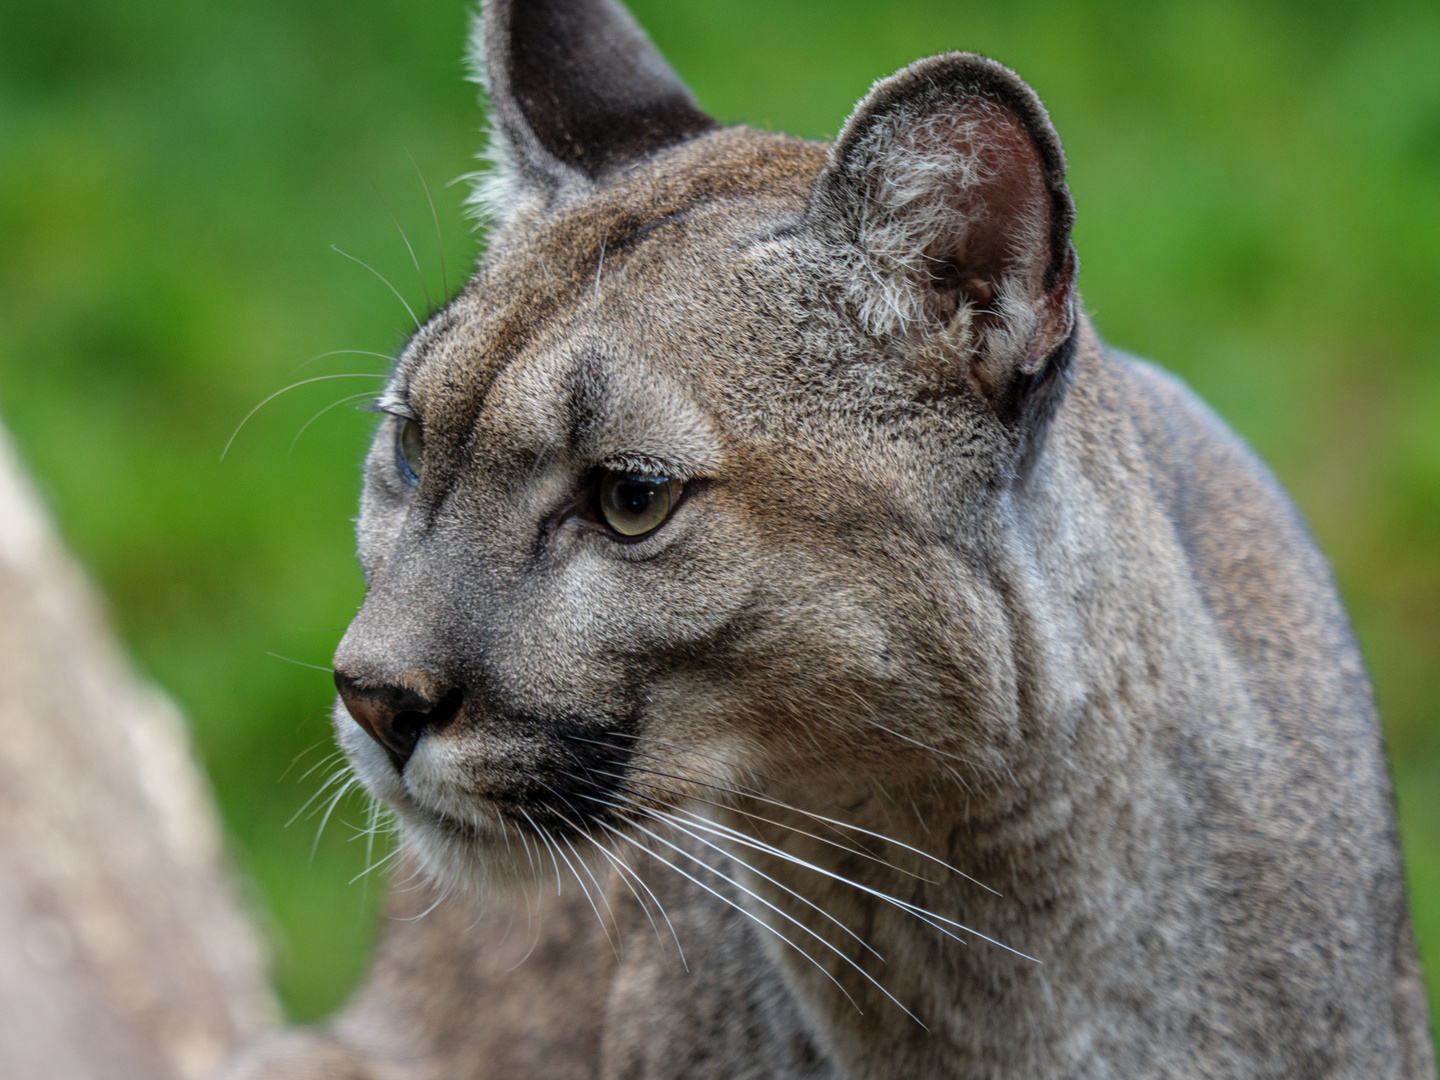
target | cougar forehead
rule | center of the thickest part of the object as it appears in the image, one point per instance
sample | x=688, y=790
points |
x=644, y=246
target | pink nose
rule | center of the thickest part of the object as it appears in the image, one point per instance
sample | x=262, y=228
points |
x=391, y=715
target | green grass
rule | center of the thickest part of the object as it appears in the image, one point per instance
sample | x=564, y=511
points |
x=1259, y=197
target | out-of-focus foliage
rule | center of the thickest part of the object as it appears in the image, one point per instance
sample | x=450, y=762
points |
x=1259, y=197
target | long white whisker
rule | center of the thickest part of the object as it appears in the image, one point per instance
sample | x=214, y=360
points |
x=303, y=382
x=326, y=760
x=878, y=836
x=539, y=835
x=394, y=854
x=345, y=789
x=444, y=895
x=334, y=778
x=429, y=305
x=598, y=890
x=532, y=916
x=623, y=871
x=444, y=282
x=383, y=278
x=302, y=663
x=924, y=913
x=675, y=823
x=667, y=819
x=738, y=907
x=600, y=266
x=555, y=847
x=848, y=848
x=348, y=352
x=741, y=793
x=717, y=829
x=306, y=426
x=776, y=909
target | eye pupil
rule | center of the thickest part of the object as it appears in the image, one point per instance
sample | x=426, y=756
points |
x=634, y=505
x=634, y=499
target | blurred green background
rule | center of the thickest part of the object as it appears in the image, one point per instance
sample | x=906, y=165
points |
x=1259, y=197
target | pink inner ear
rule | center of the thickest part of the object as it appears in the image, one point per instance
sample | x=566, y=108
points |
x=989, y=202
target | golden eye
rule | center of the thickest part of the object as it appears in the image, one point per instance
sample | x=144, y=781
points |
x=410, y=448
x=634, y=505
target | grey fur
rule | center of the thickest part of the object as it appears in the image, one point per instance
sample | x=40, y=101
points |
x=952, y=582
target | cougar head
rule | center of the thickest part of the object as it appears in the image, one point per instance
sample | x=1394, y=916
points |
x=699, y=480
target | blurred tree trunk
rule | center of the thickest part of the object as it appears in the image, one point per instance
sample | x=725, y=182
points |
x=124, y=952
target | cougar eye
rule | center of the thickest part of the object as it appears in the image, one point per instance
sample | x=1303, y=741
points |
x=634, y=505
x=410, y=448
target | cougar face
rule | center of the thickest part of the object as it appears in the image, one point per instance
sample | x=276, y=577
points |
x=619, y=528
x=596, y=572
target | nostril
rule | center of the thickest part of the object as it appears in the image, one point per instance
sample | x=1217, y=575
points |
x=406, y=729
x=395, y=717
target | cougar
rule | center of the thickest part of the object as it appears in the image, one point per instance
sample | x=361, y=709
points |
x=796, y=646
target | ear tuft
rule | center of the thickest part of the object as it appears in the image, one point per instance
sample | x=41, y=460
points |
x=945, y=195
x=576, y=92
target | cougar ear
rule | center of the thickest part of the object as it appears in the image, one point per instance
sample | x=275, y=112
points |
x=576, y=91
x=945, y=194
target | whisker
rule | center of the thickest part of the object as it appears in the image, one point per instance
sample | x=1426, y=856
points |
x=540, y=833
x=555, y=849
x=930, y=918
x=924, y=913
x=439, y=240
x=819, y=937
x=795, y=860
x=690, y=750
x=600, y=265
x=391, y=857
x=344, y=790
x=848, y=848
x=292, y=386
x=675, y=824
x=301, y=663
x=599, y=847
x=372, y=827
x=333, y=405
x=383, y=278
x=622, y=870
x=440, y=899
x=319, y=764
x=429, y=307
x=738, y=907
x=598, y=890
x=335, y=777
x=854, y=828
x=532, y=917
x=348, y=352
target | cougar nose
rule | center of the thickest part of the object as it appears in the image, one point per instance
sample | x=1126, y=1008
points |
x=392, y=715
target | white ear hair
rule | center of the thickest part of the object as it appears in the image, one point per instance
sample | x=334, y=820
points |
x=575, y=92
x=945, y=201
x=497, y=191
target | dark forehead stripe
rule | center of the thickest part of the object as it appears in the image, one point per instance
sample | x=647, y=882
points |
x=543, y=268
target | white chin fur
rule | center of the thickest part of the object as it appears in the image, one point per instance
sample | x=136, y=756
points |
x=460, y=842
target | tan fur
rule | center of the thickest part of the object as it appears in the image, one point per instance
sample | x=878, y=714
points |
x=951, y=582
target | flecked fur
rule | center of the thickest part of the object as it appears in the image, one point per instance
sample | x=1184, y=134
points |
x=951, y=582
